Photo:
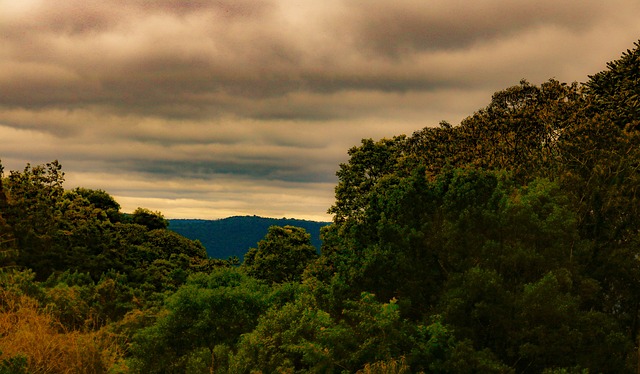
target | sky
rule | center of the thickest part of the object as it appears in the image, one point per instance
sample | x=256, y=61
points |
x=209, y=109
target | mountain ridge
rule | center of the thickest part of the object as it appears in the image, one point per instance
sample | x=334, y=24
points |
x=233, y=236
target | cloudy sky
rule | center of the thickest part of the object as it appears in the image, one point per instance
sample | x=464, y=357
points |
x=207, y=109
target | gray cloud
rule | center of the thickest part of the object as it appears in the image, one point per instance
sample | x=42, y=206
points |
x=210, y=58
x=262, y=99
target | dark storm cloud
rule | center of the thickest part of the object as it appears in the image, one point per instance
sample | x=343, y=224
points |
x=402, y=28
x=256, y=102
x=255, y=168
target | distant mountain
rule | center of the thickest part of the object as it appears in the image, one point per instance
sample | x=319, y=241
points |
x=234, y=236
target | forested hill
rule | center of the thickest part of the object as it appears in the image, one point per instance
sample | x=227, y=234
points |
x=233, y=236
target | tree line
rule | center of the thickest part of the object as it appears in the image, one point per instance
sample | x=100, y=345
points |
x=509, y=243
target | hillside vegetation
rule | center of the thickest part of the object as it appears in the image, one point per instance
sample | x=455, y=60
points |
x=509, y=243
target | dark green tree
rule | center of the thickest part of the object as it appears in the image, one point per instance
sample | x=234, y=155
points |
x=100, y=199
x=281, y=256
x=149, y=219
x=367, y=164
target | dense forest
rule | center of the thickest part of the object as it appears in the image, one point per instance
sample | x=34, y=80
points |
x=509, y=243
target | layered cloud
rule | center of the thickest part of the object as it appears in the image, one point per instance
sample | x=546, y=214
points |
x=211, y=108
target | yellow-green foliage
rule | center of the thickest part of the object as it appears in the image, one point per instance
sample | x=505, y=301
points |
x=392, y=366
x=28, y=331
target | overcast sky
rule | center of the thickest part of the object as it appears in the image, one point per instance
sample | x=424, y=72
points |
x=207, y=109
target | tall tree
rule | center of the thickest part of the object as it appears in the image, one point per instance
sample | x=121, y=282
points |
x=7, y=243
x=33, y=211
